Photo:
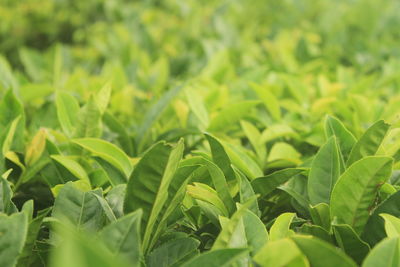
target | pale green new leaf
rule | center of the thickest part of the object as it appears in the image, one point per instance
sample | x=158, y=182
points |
x=233, y=233
x=89, y=122
x=8, y=140
x=322, y=254
x=217, y=258
x=78, y=249
x=281, y=227
x=72, y=166
x=103, y=97
x=108, y=152
x=281, y=253
x=392, y=225
x=254, y=136
x=269, y=100
x=67, y=112
x=384, y=254
x=197, y=106
x=231, y=115
x=242, y=161
x=207, y=194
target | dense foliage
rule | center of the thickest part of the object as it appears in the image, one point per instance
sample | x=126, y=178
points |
x=199, y=133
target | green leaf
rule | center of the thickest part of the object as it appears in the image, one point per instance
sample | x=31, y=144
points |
x=276, y=131
x=115, y=198
x=13, y=231
x=176, y=194
x=122, y=237
x=369, y=142
x=321, y=216
x=35, y=148
x=67, y=112
x=324, y=172
x=270, y=255
x=283, y=154
x=173, y=253
x=384, y=254
x=148, y=185
x=269, y=100
x=242, y=161
x=356, y=190
x=108, y=212
x=297, y=189
x=265, y=185
x=233, y=233
x=317, y=231
x=221, y=186
x=78, y=249
x=374, y=230
x=207, y=194
x=123, y=138
x=281, y=227
x=33, y=64
x=6, y=204
x=113, y=174
x=72, y=166
x=103, y=97
x=392, y=225
x=10, y=109
x=7, y=79
x=153, y=115
x=345, y=139
x=9, y=137
x=230, y=115
x=220, y=157
x=81, y=209
x=108, y=152
x=256, y=233
x=322, y=254
x=350, y=242
x=217, y=258
x=246, y=192
x=254, y=136
x=89, y=122
x=197, y=106
x=35, y=224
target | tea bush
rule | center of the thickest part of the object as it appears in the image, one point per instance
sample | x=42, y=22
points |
x=193, y=133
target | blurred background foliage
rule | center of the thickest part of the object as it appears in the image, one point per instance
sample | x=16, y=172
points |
x=312, y=57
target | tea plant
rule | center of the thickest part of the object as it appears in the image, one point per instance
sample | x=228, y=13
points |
x=170, y=133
